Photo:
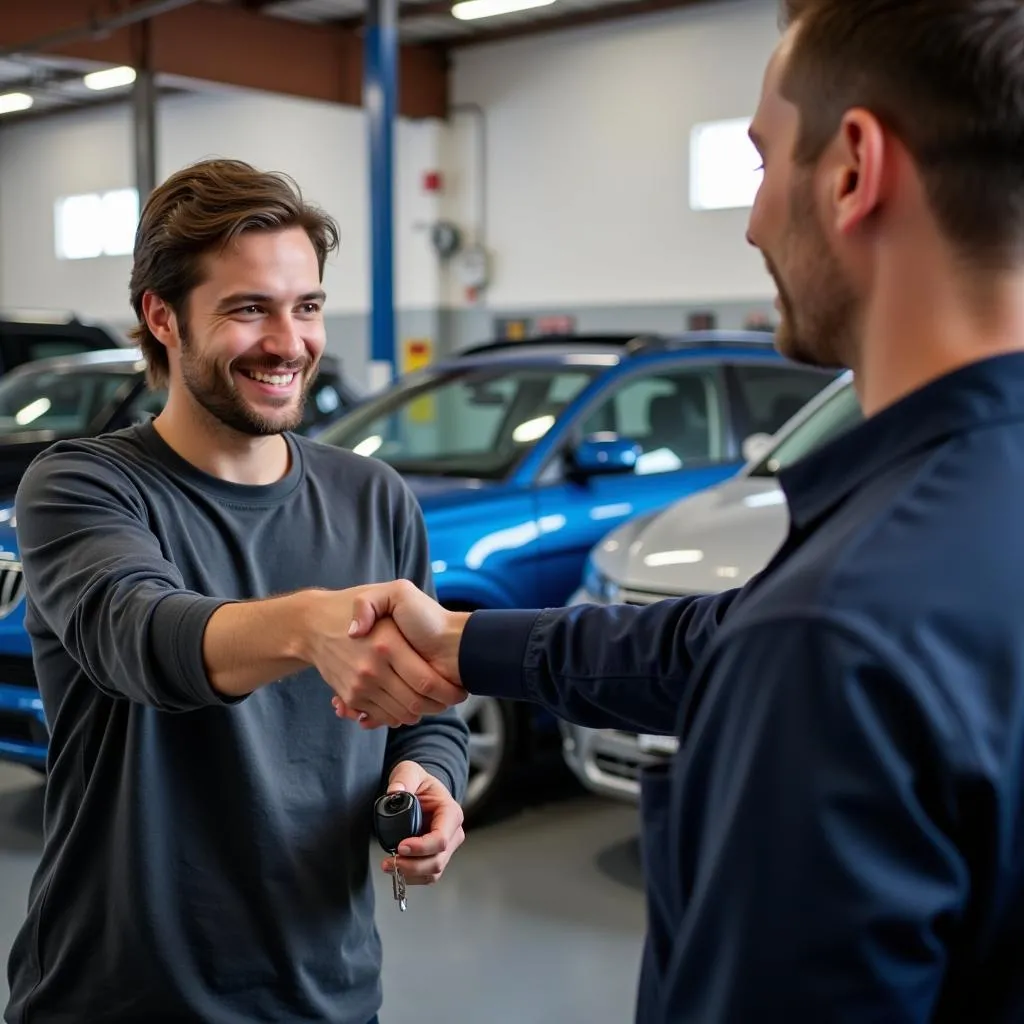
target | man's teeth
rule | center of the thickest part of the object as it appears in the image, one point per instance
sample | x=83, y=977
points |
x=279, y=379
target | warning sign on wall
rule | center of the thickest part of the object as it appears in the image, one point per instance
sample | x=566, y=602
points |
x=417, y=354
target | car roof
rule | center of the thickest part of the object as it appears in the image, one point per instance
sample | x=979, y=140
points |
x=607, y=348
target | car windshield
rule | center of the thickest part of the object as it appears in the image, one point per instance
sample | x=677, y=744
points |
x=55, y=401
x=468, y=422
x=839, y=414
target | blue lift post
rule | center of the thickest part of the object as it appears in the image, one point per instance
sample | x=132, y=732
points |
x=380, y=98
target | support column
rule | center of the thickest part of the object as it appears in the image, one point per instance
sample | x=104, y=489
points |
x=380, y=98
x=144, y=117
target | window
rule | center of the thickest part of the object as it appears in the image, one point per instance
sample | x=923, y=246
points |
x=673, y=415
x=66, y=403
x=724, y=166
x=96, y=224
x=473, y=423
x=772, y=395
x=839, y=414
x=149, y=402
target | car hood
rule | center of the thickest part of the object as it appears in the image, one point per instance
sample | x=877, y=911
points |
x=706, y=543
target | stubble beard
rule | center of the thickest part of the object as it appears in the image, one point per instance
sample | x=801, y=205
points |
x=215, y=392
x=819, y=308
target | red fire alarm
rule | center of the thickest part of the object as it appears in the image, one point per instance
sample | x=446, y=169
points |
x=432, y=181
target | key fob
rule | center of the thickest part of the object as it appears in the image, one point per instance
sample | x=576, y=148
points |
x=396, y=816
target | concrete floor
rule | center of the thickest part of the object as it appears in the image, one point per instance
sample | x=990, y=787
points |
x=539, y=921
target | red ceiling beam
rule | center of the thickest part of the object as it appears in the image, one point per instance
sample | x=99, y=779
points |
x=233, y=46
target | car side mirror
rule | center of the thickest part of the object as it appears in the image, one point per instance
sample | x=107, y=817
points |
x=604, y=455
x=757, y=446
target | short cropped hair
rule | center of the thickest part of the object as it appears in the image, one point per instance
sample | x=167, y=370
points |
x=946, y=77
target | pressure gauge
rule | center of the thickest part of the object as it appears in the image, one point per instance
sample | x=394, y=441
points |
x=474, y=267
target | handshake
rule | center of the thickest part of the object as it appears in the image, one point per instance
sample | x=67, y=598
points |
x=398, y=659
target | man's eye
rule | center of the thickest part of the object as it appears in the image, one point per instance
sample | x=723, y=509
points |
x=310, y=308
x=250, y=310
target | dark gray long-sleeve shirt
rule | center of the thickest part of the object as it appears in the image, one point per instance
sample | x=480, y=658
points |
x=204, y=859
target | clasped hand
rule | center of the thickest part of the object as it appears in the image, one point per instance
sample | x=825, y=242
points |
x=395, y=657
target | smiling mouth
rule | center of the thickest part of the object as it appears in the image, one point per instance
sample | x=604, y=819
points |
x=281, y=379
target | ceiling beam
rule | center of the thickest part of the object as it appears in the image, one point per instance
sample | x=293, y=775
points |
x=232, y=46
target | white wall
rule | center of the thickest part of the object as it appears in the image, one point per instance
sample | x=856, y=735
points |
x=587, y=172
x=588, y=150
x=324, y=147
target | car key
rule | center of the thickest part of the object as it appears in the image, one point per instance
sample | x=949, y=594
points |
x=396, y=817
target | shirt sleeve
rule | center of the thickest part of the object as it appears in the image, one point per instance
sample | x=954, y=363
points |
x=818, y=873
x=97, y=578
x=622, y=666
x=440, y=743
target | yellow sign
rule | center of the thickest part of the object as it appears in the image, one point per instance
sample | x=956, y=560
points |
x=417, y=353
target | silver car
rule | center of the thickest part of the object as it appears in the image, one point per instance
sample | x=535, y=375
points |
x=704, y=544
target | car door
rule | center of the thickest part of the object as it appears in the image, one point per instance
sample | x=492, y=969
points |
x=677, y=412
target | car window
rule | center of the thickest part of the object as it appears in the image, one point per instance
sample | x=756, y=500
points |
x=840, y=413
x=473, y=422
x=673, y=414
x=147, y=403
x=773, y=395
x=66, y=403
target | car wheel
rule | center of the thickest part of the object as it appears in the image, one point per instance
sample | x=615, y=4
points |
x=492, y=743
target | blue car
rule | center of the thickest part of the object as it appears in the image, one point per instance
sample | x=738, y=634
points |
x=523, y=456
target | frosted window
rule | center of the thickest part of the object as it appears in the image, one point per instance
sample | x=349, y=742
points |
x=96, y=224
x=724, y=166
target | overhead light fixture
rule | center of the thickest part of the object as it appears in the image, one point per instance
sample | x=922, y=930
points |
x=111, y=78
x=14, y=101
x=469, y=10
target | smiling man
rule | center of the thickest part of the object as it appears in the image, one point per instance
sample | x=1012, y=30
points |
x=189, y=588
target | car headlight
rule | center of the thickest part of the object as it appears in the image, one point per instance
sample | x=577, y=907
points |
x=600, y=588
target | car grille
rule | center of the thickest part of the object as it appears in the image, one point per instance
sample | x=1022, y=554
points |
x=15, y=671
x=12, y=587
x=624, y=754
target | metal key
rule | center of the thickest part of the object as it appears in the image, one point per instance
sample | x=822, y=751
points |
x=396, y=817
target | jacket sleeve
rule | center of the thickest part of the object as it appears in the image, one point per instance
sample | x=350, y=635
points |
x=439, y=743
x=96, y=578
x=621, y=667
x=818, y=831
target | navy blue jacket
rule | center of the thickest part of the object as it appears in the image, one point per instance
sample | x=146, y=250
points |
x=841, y=836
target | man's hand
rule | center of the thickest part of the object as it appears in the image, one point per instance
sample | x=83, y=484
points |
x=373, y=669
x=422, y=624
x=422, y=859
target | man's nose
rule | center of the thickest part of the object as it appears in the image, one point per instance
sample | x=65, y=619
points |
x=284, y=339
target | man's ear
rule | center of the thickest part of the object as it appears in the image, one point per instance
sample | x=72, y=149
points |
x=161, y=320
x=858, y=172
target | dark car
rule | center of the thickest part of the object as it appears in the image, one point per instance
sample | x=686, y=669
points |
x=27, y=335
x=93, y=393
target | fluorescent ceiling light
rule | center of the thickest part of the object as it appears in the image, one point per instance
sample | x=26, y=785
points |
x=12, y=101
x=468, y=10
x=112, y=78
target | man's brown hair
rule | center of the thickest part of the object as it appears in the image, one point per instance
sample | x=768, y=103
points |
x=947, y=78
x=198, y=211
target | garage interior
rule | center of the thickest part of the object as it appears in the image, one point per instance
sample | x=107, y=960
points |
x=573, y=168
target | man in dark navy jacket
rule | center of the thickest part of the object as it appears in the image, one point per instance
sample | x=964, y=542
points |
x=841, y=835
